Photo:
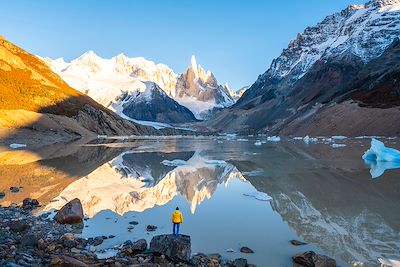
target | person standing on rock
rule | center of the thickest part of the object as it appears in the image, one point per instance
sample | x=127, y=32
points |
x=177, y=219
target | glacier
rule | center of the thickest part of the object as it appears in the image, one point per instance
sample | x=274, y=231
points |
x=381, y=158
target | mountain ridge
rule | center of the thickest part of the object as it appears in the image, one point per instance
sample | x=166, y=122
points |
x=106, y=80
x=316, y=70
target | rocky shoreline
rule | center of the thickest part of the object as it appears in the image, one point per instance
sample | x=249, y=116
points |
x=38, y=240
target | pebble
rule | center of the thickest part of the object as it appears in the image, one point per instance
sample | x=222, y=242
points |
x=246, y=250
x=14, y=189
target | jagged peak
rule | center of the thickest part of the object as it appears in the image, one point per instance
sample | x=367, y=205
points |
x=88, y=55
x=382, y=3
x=193, y=64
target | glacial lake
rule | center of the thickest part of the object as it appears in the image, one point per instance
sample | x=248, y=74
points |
x=320, y=194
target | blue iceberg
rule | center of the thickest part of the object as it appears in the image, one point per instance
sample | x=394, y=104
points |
x=381, y=158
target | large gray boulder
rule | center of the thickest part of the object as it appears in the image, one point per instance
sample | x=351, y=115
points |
x=311, y=259
x=176, y=248
x=70, y=213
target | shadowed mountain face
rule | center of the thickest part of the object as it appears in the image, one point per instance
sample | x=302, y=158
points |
x=155, y=105
x=328, y=78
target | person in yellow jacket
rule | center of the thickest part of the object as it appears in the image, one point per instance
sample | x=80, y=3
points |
x=177, y=219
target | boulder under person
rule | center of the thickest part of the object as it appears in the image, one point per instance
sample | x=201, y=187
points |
x=177, y=219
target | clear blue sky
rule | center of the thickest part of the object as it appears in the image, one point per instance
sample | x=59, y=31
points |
x=235, y=39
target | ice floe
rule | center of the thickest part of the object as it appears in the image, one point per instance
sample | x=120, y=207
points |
x=173, y=163
x=258, y=143
x=308, y=139
x=273, y=138
x=17, y=145
x=381, y=158
x=339, y=137
x=259, y=196
x=338, y=145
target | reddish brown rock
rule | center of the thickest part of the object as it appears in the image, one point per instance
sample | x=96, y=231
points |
x=70, y=213
x=65, y=261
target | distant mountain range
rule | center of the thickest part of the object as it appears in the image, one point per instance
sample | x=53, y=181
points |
x=140, y=89
x=36, y=105
x=341, y=76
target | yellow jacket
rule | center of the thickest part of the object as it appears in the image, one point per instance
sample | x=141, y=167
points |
x=177, y=217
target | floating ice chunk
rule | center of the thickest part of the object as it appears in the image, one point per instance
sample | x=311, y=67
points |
x=215, y=162
x=379, y=152
x=298, y=138
x=251, y=153
x=338, y=145
x=381, y=158
x=231, y=136
x=258, y=143
x=230, y=250
x=273, y=138
x=339, y=137
x=242, y=140
x=100, y=136
x=388, y=262
x=308, y=139
x=17, y=145
x=259, y=196
x=106, y=254
x=173, y=163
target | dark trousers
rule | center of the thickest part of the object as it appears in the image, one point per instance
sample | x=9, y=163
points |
x=175, y=229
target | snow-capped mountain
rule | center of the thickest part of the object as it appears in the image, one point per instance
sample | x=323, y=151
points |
x=348, y=57
x=119, y=82
x=238, y=93
x=200, y=92
x=363, y=30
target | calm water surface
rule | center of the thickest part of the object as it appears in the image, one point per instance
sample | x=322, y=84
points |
x=322, y=195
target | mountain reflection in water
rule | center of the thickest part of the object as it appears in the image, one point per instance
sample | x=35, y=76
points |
x=139, y=181
x=321, y=195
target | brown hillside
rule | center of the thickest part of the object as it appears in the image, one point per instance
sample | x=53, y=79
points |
x=28, y=83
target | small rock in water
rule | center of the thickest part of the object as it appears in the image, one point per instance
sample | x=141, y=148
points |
x=97, y=242
x=311, y=259
x=139, y=246
x=134, y=222
x=70, y=213
x=14, y=189
x=297, y=242
x=111, y=236
x=29, y=203
x=240, y=262
x=246, y=250
x=175, y=248
x=151, y=228
x=230, y=250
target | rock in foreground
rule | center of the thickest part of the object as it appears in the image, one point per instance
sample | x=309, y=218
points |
x=70, y=213
x=311, y=259
x=177, y=248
